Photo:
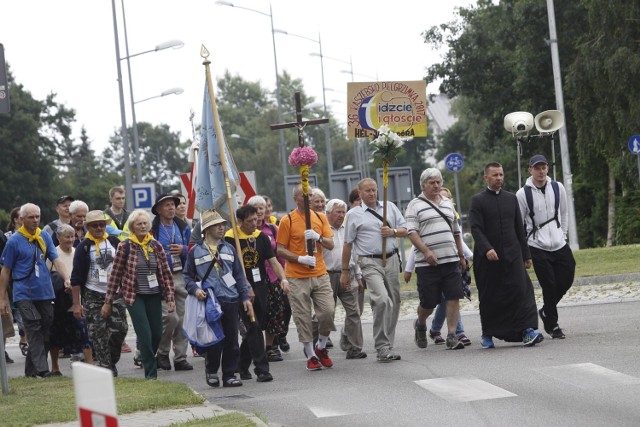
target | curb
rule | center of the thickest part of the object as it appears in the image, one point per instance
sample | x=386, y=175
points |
x=578, y=281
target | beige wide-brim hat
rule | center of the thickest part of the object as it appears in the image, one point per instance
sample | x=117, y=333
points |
x=95, y=216
x=210, y=218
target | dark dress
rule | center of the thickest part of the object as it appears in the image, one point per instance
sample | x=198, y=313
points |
x=507, y=301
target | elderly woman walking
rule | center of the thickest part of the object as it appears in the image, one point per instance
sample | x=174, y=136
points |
x=142, y=276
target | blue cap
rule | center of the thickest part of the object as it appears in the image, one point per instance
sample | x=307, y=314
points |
x=538, y=158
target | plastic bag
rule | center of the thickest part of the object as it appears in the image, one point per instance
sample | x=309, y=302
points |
x=199, y=331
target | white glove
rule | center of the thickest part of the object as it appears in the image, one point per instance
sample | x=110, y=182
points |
x=307, y=260
x=311, y=235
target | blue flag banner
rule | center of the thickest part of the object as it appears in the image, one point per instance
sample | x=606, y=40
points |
x=210, y=187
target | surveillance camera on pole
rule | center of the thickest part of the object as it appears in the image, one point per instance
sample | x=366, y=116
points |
x=520, y=124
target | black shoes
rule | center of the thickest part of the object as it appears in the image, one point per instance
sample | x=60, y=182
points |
x=284, y=345
x=245, y=374
x=356, y=354
x=182, y=365
x=7, y=358
x=163, y=362
x=263, y=377
x=557, y=333
x=231, y=382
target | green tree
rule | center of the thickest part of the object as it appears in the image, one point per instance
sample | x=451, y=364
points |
x=162, y=156
x=605, y=80
x=30, y=136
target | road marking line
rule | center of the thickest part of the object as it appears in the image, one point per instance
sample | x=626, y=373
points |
x=463, y=389
x=588, y=375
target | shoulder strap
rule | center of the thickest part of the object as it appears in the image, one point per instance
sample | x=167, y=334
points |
x=376, y=214
x=439, y=211
x=556, y=196
x=529, y=196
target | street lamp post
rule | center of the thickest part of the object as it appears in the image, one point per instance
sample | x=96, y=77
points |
x=172, y=91
x=176, y=44
x=283, y=147
x=327, y=131
x=125, y=139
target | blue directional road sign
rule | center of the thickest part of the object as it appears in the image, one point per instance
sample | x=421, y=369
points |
x=634, y=144
x=454, y=162
x=144, y=195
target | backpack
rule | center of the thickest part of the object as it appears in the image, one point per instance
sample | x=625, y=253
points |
x=529, y=196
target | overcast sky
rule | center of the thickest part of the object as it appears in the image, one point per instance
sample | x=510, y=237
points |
x=68, y=47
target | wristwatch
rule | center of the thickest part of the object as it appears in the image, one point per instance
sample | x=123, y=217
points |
x=320, y=239
x=395, y=232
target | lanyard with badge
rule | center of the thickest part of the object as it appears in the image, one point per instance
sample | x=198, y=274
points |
x=176, y=261
x=152, y=278
x=251, y=247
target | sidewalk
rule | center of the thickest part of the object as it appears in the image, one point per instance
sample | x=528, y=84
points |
x=167, y=417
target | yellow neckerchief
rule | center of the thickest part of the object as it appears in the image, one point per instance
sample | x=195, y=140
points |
x=213, y=250
x=242, y=235
x=273, y=219
x=97, y=241
x=35, y=236
x=144, y=244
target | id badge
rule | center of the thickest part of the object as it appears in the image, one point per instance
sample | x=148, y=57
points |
x=36, y=270
x=256, y=275
x=153, y=281
x=229, y=280
x=176, y=262
x=102, y=276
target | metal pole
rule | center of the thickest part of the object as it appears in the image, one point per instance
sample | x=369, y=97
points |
x=638, y=157
x=283, y=146
x=3, y=364
x=136, y=146
x=327, y=132
x=455, y=182
x=125, y=139
x=564, y=140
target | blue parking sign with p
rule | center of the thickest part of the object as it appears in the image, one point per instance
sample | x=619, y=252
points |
x=144, y=195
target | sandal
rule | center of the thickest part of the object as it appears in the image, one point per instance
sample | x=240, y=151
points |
x=232, y=382
x=212, y=380
x=24, y=348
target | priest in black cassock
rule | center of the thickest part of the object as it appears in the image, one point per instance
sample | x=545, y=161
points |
x=501, y=255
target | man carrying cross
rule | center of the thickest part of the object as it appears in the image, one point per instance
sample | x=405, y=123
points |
x=301, y=240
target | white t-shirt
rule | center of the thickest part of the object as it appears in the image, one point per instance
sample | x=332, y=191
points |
x=100, y=267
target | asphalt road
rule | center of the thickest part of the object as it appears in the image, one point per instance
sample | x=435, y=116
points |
x=591, y=378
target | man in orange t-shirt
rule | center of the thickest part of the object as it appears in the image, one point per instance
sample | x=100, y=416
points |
x=309, y=283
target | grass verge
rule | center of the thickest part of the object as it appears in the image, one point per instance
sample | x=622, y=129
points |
x=34, y=401
x=233, y=419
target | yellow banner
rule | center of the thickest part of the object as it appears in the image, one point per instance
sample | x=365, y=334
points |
x=400, y=105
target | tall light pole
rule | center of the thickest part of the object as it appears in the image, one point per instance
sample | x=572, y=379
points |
x=327, y=131
x=176, y=44
x=125, y=140
x=283, y=146
x=567, y=178
x=172, y=91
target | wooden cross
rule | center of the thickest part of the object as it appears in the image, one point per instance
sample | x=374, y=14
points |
x=300, y=125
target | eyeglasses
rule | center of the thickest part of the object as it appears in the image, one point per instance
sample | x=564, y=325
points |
x=97, y=225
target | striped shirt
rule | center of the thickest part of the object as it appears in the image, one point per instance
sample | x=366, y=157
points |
x=145, y=268
x=433, y=230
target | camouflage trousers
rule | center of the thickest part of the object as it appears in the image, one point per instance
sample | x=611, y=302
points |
x=107, y=334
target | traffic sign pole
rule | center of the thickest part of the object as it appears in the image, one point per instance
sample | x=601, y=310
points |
x=455, y=163
x=634, y=147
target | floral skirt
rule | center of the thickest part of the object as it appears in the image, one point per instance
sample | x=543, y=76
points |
x=278, y=310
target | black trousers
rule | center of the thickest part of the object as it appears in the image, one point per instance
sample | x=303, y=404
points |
x=555, y=271
x=252, y=347
x=227, y=349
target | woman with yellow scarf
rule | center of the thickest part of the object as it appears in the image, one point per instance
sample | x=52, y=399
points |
x=141, y=274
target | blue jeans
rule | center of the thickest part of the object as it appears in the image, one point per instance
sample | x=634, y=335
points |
x=440, y=315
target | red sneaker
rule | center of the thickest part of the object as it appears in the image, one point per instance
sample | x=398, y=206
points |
x=323, y=355
x=313, y=364
x=125, y=348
